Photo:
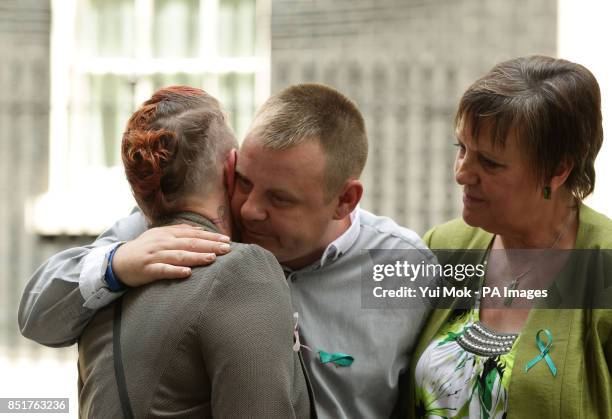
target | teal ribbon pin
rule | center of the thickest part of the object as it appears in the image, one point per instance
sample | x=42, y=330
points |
x=337, y=358
x=544, y=350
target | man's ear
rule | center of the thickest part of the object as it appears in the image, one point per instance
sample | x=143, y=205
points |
x=348, y=199
x=229, y=171
x=561, y=174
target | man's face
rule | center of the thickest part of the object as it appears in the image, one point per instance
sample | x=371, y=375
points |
x=279, y=200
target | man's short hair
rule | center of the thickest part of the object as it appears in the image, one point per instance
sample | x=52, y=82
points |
x=307, y=112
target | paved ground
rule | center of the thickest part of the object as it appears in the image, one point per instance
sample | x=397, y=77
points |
x=40, y=375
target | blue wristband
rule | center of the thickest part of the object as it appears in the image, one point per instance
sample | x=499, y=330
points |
x=114, y=284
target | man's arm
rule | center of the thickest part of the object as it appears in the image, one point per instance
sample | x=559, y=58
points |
x=247, y=339
x=65, y=292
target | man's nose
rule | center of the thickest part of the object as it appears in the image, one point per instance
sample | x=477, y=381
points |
x=253, y=209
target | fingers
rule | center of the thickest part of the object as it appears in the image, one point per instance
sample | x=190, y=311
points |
x=194, y=245
x=167, y=252
x=176, y=264
x=164, y=271
x=182, y=258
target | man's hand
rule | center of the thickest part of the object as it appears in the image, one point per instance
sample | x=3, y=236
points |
x=166, y=253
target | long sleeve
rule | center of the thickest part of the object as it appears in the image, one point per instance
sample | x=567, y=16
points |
x=247, y=339
x=64, y=293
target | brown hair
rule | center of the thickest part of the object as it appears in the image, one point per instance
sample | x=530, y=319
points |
x=172, y=146
x=553, y=107
x=307, y=112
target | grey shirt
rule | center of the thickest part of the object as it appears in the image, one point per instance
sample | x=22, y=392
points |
x=327, y=296
x=217, y=345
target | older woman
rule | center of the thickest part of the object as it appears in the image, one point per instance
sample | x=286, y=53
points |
x=528, y=133
x=220, y=344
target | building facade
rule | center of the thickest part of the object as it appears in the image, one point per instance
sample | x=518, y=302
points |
x=404, y=62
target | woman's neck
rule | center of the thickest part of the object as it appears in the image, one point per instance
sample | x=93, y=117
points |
x=214, y=208
x=555, y=227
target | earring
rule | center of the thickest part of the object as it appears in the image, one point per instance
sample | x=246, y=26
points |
x=547, y=192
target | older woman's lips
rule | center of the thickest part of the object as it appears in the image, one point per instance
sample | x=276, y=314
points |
x=469, y=199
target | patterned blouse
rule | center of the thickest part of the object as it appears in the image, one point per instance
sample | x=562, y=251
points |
x=465, y=371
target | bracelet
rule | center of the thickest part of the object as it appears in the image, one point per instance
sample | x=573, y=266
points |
x=114, y=284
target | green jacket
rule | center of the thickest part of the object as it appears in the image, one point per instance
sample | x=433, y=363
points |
x=582, y=348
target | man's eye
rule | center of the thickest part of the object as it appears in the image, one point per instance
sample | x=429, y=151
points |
x=243, y=183
x=280, y=200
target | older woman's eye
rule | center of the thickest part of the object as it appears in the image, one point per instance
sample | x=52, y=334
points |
x=461, y=147
x=490, y=163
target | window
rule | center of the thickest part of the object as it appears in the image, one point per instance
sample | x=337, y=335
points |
x=107, y=57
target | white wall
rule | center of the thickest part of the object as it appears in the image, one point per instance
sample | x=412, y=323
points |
x=45, y=377
x=584, y=35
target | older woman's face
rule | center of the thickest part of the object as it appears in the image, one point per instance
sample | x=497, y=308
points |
x=500, y=194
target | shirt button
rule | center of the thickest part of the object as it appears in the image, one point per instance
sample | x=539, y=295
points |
x=291, y=276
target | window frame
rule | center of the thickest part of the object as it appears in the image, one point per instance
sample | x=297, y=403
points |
x=87, y=204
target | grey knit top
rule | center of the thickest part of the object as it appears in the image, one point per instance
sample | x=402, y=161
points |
x=218, y=344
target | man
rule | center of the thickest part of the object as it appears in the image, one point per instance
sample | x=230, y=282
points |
x=296, y=195
x=192, y=348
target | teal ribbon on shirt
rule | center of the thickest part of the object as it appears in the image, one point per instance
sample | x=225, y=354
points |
x=337, y=358
x=544, y=350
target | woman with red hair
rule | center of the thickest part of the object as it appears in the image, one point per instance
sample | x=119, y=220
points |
x=219, y=344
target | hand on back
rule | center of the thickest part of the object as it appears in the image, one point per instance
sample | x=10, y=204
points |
x=167, y=253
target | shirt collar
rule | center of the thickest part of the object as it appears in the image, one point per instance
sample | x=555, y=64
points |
x=343, y=243
x=187, y=217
